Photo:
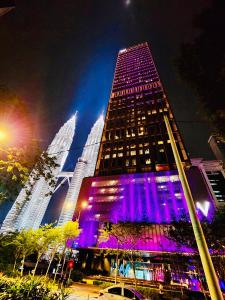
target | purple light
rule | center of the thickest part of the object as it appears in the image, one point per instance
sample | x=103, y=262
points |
x=155, y=198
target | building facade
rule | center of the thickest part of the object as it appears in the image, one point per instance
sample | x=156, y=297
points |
x=217, y=145
x=29, y=213
x=134, y=137
x=214, y=175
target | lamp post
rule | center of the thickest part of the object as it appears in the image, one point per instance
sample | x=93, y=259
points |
x=206, y=260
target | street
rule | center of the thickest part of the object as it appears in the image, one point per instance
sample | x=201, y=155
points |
x=82, y=291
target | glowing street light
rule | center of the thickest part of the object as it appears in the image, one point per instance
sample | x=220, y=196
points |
x=84, y=204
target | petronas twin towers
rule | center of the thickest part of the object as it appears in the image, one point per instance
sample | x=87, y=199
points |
x=29, y=214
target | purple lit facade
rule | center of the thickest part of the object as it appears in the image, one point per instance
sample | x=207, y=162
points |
x=155, y=198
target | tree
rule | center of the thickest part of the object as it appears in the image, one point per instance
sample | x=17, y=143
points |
x=70, y=230
x=19, y=170
x=56, y=240
x=8, y=251
x=201, y=63
x=127, y=235
x=24, y=243
x=42, y=238
x=181, y=232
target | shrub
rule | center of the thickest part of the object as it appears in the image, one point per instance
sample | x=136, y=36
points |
x=25, y=288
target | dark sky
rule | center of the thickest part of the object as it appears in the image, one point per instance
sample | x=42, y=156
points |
x=59, y=56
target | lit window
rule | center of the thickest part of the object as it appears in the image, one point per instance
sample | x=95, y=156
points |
x=161, y=150
x=133, y=146
x=133, y=152
x=147, y=151
x=133, y=162
x=178, y=195
x=153, y=111
x=127, y=163
x=114, y=155
x=141, y=151
x=120, y=154
x=160, y=142
x=148, y=161
x=107, y=156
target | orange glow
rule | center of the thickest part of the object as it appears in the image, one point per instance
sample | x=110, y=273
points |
x=84, y=204
x=5, y=134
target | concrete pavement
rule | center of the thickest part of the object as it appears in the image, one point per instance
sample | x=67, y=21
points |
x=80, y=291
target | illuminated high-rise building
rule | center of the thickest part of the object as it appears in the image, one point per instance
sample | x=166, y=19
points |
x=29, y=213
x=135, y=138
x=85, y=167
x=136, y=179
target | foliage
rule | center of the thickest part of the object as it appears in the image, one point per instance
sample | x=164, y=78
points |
x=70, y=230
x=15, y=170
x=7, y=250
x=29, y=288
x=182, y=233
x=127, y=235
x=201, y=63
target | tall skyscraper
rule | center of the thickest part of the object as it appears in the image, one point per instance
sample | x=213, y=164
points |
x=136, y=178
x=135, y=137
x=85, y=167
x=29, y=214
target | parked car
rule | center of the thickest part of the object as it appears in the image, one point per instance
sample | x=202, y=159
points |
x=120, y=292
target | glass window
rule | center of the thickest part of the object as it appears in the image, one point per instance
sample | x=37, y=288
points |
x=133, y=152
x=148, y=161
x=133, y=162
x=115, y=290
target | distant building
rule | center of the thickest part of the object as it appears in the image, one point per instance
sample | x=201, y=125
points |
x=214, y=175
x=217, y=144
x=6, y=6
x=85, y=167
x=29, y=213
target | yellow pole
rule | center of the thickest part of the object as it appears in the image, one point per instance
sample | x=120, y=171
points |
x=210, y=274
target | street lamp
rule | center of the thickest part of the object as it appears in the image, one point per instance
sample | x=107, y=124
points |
x=84, y=204
x=206, y=260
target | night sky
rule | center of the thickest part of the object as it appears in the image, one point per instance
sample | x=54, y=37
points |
x=59, y=56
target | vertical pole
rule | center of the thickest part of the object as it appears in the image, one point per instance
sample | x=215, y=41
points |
x=206, y=260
